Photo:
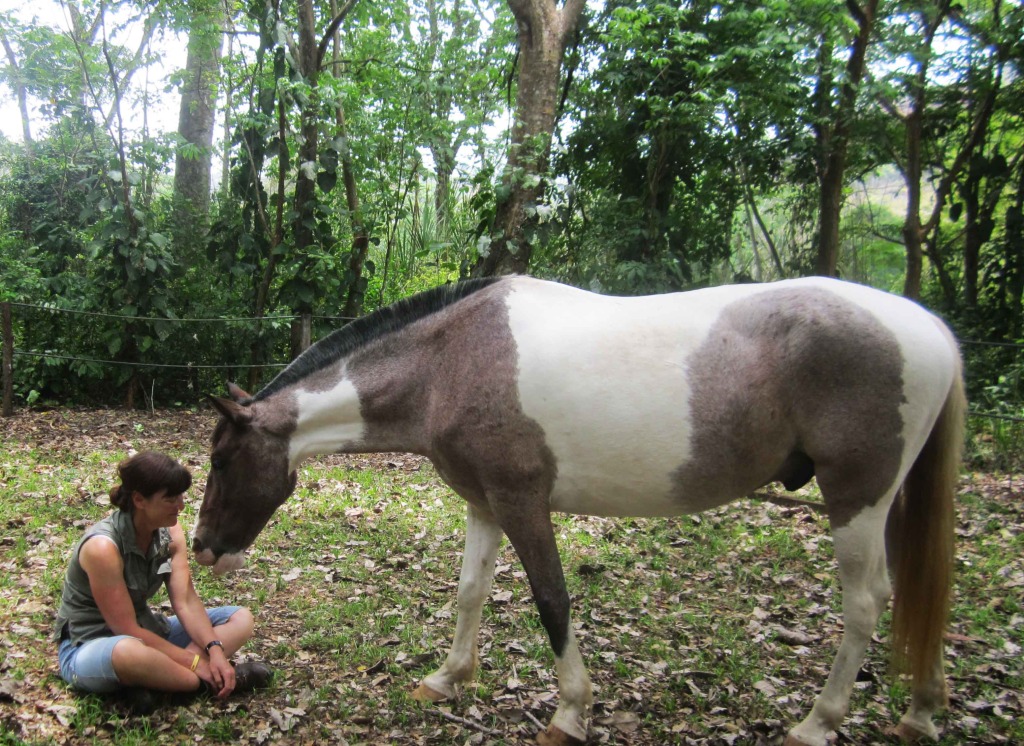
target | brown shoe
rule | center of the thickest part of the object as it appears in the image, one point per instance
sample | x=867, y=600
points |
x=250, y=675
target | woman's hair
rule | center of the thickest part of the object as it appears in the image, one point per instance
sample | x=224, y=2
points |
x=147, y=473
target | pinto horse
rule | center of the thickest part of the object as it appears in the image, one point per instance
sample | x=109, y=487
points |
x=531, y=397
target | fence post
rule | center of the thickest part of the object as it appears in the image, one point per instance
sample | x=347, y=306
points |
x=8, y=364
x=302, y=334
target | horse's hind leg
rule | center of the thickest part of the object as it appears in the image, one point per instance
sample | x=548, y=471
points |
x=860, y=553
x=926, y=699
x=527, y=524
x=929, y=695
x=483, y=537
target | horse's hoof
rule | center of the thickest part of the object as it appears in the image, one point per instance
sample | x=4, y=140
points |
x=792, y=740
x=424, y=693
x=908, y=733
x=554, y=736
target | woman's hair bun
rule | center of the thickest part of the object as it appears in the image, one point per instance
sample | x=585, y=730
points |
x=119, y=496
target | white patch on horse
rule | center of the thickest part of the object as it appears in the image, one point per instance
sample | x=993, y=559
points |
x=606, y=379
x=227, y=562
x=328, y=421
x=860, y=553
x=576, y=694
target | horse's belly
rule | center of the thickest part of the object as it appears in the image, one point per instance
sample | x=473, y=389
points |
x=617, y=490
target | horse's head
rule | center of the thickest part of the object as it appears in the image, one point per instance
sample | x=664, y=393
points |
x=249, y=478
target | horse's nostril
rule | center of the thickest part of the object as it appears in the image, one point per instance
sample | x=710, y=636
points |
x=197, y=545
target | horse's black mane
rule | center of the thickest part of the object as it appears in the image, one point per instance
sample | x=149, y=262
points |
x=341, y=342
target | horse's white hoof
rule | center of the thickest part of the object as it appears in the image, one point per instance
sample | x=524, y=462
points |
x=424, y=693
x=912, y=733
x=555, y=736
x=792, y=740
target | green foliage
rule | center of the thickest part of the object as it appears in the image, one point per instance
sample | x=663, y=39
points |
x=679, y=121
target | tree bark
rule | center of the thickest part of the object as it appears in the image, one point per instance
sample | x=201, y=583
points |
x=196, y=123
x=833, y=140
x=544, y=30
x=1014, y=258
x=972, y=232
x=360, y=238
x=20, y=92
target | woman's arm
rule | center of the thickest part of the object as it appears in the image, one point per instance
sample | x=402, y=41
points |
x=102, y=562
x=192, y=614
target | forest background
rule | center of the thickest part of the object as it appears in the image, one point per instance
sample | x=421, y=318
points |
x=331, y=158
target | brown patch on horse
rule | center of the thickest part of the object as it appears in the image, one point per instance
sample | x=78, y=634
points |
x=817, y=388
x=472, y=427
x=472, y=424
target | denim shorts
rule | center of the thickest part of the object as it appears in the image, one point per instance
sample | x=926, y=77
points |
x=89, y=666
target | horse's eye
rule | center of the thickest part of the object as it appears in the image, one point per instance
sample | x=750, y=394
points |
x=217, y=463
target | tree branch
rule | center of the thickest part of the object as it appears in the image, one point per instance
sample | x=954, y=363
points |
x=321, y=49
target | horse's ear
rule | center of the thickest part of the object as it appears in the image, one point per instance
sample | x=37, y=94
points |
x=232, y=410
x=237, y=393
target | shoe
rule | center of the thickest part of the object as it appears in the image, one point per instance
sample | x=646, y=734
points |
x=250, y=675
x=139, y=701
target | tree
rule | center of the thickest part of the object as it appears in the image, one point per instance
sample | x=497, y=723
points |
x=15, y=75
x=682, y=113
x=544, y=31
x=834, y=128
x=196, y=121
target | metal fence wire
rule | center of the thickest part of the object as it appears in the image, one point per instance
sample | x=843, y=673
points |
x=11, y=352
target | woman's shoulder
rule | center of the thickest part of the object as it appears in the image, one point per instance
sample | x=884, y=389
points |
x=111, y=527
x=99, y=549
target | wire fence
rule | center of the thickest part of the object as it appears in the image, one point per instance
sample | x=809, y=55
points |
x=10, y=352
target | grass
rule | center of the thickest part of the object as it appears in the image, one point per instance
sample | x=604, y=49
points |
x=353, y=586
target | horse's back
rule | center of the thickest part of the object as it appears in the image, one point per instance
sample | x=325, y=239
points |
x=663, y=404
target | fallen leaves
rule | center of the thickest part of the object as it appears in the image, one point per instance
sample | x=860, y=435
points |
x=685, y=643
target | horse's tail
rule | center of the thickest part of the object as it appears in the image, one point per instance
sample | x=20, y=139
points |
x=921, y=533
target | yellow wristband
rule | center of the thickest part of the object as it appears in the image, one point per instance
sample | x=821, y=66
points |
x=195, y=664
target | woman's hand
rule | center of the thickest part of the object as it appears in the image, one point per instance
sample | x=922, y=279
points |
x=217, y=672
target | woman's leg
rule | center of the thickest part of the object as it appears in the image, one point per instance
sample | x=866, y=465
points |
x=232, y=625
x=107, y=664
x=137, y=664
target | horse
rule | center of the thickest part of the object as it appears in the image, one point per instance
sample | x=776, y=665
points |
x=529, y=397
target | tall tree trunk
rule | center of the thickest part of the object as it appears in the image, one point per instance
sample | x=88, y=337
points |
x=356, y=294
x=916, y=230
x=20, y=92
x=544, y=29
x=309, y=140
x=444, y=167
x=912, y=234
x=972, y=231
x=1014, y=259
x=229, y=107
x=834, y=140
x=196, y=122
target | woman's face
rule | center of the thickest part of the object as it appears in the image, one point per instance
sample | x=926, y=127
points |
x=161, y=510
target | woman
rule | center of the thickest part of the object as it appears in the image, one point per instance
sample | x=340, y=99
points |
x=109, y=637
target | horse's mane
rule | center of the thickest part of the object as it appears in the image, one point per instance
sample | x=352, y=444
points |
x=354, y=335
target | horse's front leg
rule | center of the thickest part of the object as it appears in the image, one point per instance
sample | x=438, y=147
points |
x=483, y=537
x=530, y=531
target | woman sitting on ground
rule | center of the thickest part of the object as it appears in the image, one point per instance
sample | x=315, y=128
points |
x=110, y=639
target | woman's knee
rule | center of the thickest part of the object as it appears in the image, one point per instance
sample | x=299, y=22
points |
x=244, y=622
x=126, y=656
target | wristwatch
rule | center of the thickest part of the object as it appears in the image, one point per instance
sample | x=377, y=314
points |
x=213, y=643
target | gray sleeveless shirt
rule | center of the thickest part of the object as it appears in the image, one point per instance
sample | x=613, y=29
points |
x=143, y=574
